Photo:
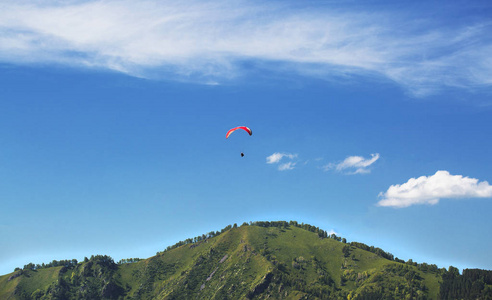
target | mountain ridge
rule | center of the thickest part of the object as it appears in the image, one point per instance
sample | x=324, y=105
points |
x=257, y=260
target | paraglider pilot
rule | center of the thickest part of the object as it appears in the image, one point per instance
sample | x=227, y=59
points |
x=236, y=128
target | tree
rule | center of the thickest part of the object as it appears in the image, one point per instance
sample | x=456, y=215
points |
x=346, y=250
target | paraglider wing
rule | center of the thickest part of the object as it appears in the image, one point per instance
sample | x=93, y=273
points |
x=239, y=127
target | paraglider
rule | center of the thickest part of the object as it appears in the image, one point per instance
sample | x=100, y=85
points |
x=239, y=127
x=236, y=128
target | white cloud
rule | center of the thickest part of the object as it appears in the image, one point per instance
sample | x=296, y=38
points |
x=361, y=171
x=276, y=157
x=286, y=166
x=357, y=162
x=354, y=164
x=429, y=190
x=208, y=41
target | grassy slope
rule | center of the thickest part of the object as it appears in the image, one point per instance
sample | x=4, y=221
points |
x=238, y=263
x=185, y=270
x=7, y=287
x=252, y=252
x=29, y=282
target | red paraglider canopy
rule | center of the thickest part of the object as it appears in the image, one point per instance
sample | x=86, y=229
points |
x=239, y=127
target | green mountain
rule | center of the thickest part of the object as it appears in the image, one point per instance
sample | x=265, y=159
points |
x=261, y=260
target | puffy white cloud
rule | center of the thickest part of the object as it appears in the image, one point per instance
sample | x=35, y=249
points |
x=429, y=190
x=354, y=164
x=209, y=40
x=276, y=157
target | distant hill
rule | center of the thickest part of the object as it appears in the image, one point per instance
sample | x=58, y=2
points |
x=261, y=260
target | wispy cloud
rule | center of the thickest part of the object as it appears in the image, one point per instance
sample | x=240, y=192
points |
x=276, y=157
x=429, y=190
x=354, y=164
x=286, y=166
x=209, y=41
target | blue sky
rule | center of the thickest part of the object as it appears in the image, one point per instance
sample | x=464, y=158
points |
x=371, y=119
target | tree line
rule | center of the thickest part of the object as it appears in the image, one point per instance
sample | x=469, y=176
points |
x=69, y=263
x=129, y=260
x=473, y=284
